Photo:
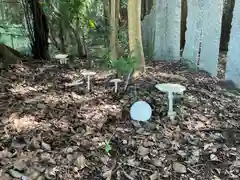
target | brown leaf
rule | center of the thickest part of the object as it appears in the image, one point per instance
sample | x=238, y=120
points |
x=133, y=162
x=50, y=173
x=108, y=174
x=46, y=146
x=179, y=168
x=4, y=153
x=154, y=176
x=34, y=143
x=157, y=162
x=41, y=178
x=33, y=174
x=19, y=165
x=143, y=151
x=80, y=162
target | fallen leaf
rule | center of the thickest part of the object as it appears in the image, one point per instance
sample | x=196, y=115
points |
x=33, y=174
x=34, y=143
x=46, y=146
x=4, y=153
x=15, y=174
x=143, y=151
x=179, y=168
x=41, y=106
x=107, y=174
x=80, y=162
x=18, y=143
x=156, y=162
x=129, y=177
x=154, y=176
x=50, y=173
x=41, y=178
x=213, y=157
x=133, y=162
x=236, y=163
x=19, y=165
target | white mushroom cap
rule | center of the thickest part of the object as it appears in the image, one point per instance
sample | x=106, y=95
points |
x=169, y=87
x=61, y=56
x=88, y=73
x=116, y=80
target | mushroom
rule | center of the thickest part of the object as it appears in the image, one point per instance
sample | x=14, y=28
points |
x=88, y=74
x=116, y=81
x=170, y=89
x=63, y=58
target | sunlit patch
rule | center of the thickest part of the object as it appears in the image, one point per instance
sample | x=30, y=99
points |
x=20, y=89
x=25, y=123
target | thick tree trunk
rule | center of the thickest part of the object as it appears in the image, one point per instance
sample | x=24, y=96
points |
x=134, y=32
x=41, y=31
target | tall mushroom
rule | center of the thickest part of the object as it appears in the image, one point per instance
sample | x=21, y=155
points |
x=116, y=81
x=88, y=74
x=170, y=89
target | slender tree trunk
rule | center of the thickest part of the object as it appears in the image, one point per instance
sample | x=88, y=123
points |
x=113, y=31
x=117, y=15
x=61, y=36
x=106, y=20
x=134, y=32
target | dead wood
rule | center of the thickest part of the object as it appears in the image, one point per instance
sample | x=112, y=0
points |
x=9, y=55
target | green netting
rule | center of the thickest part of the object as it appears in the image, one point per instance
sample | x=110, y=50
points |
x=16, y=37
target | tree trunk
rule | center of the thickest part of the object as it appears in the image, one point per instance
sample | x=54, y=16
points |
x=117, y=15
x=61, y=37
x=113, y=31
x=106, y=20
x=134, y=33
x=41, y=31
x=82, y=50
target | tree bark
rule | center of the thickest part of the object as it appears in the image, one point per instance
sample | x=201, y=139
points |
x=135, y=34
x=113, y=31
x=106, y=20
x=41, y=31
x=117, y=15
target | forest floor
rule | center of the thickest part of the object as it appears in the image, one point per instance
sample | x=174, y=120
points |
x=49, y=130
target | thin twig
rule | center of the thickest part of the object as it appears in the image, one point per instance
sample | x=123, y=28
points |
x=143, y=169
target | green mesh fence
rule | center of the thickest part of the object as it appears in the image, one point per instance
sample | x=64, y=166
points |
x=15, y=37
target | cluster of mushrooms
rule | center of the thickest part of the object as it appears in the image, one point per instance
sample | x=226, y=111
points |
x=169, y=88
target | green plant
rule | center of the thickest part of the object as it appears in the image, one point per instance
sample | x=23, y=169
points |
x=124, y=65
x=108, y=146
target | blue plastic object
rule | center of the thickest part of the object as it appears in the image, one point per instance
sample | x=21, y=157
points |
x=140, y=111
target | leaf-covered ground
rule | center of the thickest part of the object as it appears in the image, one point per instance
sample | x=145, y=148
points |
x=49, y=130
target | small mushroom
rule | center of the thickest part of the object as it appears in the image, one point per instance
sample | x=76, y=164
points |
x=88, y=74
x=116, y=81
x=63, y=58
x=170, y=89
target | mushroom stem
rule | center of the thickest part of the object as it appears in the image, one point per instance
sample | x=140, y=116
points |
x=88, y=83
x=116, y=87
x=170, y=102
